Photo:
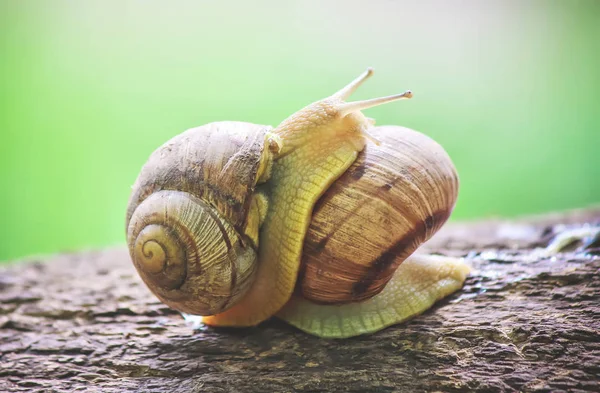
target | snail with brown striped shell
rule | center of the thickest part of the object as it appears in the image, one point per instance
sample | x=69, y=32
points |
x=314, y=221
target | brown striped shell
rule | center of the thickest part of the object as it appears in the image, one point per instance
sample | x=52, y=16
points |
x=188, y=229
x=392, y=199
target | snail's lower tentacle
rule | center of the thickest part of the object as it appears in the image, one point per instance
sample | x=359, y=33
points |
x=419, y=282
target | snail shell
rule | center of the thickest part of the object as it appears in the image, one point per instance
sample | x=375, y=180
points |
x=335, y=219
x=392, y=199
x=188, y=227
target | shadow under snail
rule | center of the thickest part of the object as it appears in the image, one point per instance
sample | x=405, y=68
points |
x=238, y=222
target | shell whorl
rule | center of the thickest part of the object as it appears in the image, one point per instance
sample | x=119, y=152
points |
x=188, y=254
x=159, y=252
x=188, y=217
x=392, y=199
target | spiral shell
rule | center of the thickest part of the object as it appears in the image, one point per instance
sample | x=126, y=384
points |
x=393, y=198
x=188, y=216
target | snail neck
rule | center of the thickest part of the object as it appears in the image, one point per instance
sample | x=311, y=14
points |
x=321, y=123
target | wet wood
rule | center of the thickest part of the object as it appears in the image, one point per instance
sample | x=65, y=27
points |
x=524, y=321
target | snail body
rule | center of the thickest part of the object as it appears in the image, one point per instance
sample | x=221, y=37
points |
x=239, y=222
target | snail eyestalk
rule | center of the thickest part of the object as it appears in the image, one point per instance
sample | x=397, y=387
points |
x=349, y=107
x=352, y=86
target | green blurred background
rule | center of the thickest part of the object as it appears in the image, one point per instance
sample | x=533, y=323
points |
x=89, y=88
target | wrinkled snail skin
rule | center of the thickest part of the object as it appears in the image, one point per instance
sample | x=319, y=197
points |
x=239, y=222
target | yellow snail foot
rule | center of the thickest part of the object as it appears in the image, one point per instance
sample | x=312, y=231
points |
x=418, y=283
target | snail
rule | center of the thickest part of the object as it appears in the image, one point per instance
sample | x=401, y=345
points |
x=314, y=221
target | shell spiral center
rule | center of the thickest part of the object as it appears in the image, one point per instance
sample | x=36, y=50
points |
x=160, y=254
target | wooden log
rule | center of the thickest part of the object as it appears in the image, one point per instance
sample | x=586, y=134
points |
x=525, y=321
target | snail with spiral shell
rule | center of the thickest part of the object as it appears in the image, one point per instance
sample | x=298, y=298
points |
x=314, y=221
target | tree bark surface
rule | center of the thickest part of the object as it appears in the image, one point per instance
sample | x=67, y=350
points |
x=524, y=321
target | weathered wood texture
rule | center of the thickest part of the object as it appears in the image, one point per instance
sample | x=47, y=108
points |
x=523, y=322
